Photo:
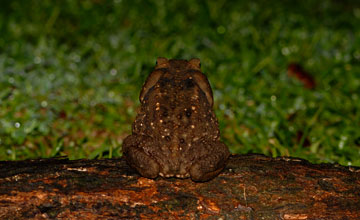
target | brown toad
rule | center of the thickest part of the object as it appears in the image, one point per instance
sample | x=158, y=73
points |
x=176, y=132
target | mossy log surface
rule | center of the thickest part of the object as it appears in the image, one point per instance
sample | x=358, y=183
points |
x=251, y=187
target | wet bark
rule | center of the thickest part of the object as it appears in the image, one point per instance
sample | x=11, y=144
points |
x=251, y=187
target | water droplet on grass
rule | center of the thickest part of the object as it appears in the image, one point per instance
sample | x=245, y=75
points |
x=37, y=60
x=17, y=124
x=285, y=51
x=273, y=98
x=113, y=72
x=11, y=80
x=343, y=139
x=44, y=104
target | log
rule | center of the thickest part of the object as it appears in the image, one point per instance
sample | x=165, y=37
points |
x=250, y=187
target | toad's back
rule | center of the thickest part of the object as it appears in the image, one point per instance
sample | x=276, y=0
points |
x=176, y=122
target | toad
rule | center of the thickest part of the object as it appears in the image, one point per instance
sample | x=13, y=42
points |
x=176, y=133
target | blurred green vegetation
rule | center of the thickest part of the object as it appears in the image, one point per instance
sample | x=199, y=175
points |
x=71, y=72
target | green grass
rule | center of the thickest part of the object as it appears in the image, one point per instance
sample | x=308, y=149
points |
x=71, y=72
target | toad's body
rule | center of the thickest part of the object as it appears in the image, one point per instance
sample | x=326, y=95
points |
x=176, y=132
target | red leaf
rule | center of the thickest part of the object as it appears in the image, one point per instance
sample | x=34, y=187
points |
x=296, y=70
